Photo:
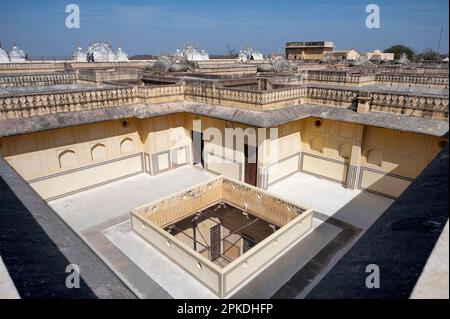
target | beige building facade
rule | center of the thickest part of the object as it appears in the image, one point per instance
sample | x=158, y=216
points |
x=315, y=50
x=63, y=161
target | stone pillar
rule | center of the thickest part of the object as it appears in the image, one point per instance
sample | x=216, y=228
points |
x=355, y=160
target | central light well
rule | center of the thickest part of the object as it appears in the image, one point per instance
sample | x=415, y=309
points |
x=222, y=232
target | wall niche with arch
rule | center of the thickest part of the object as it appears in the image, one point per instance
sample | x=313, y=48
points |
x=99, y=152
x=127, y=146
x=67, y=159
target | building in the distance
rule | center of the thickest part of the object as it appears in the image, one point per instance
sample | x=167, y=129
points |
x=308, y=50
x=342, y=55
x=378, y=55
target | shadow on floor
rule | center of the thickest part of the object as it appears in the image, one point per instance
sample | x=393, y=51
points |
x=399, y=242
x=35, y=264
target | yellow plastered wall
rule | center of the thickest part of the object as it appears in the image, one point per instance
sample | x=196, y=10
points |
x=226, y=161
x=167, y=137
x=76, y=157
x=280, y=157
x=62, y=161
x=328, y=147
x=391, y=159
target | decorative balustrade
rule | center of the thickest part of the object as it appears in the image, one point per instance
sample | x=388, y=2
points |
x=218, y=95
x=413, y=80
x=25, y=80
x=160, y=94
x=13, y=107
x=334, y=96
x=437, y=71
x=26, y=105
x=33, y=67
x=338, y=77
x=419, y=105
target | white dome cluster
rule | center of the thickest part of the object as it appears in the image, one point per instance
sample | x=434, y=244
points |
x=79, y=55
x=4, y=57
x=15, y=55
x=249, y=54
x=102, y=52
x=191, y=53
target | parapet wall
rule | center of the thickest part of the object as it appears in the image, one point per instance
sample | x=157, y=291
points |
x=26, y=80
x=47, y=67
x=398, y=77
x=36, y=104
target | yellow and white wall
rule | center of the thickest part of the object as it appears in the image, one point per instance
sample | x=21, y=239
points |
x=63, y=161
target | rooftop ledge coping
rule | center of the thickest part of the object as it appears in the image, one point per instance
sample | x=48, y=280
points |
x=264, y=119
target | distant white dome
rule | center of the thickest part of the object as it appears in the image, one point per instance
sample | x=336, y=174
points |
x=16, y=54
x=204, y=55
x=179, y=53
x=121, y=56
x=242, y=57
x=79, y=55
x=192, y=54
x=250, y=54
x=4, y=58
x=377, y=51
x=102, y=52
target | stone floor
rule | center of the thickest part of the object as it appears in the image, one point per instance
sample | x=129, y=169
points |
x=355, y=207
x=406, y=243
x=353, y=210
x=7, y=288
x=92, y=212
x=342, y=216
x=433, y=283
x=95, y=206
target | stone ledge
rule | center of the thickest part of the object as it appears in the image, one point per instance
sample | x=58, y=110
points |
x=254, y=118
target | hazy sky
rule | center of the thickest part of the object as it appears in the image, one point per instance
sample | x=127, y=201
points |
x=141, y=27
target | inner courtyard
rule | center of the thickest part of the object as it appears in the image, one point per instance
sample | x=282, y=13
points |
x=130, y=156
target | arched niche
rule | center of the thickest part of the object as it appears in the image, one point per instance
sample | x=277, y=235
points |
x=98, y=152
x=67, y=158
x=127, y=146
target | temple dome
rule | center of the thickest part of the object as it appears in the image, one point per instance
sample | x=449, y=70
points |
x=79, y=55
x=102, y=52
x=121, y=56
x=191, y=53
x=16, y=54
x=249, y=54
x=4, y=58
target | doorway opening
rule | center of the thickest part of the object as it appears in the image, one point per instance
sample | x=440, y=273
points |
x=197, y=148
x=251, y=164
